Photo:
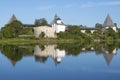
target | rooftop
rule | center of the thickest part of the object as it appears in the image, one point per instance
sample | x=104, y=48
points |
x=13, y=18
x=108, y=22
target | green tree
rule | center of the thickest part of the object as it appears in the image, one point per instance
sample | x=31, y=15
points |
x=12, y=30
x=118, y=33
x=42, y=35
x=41, y=22
x=115, y=24
x=111, y=33
x=74, y=29
x=98, y=25
x=88, y=31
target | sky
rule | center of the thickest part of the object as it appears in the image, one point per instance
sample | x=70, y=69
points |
x=74, y=12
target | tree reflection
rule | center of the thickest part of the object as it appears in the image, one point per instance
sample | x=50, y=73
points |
x=15, y=53
x=57, y=52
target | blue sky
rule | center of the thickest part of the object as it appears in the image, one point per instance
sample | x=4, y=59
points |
x=85, y=12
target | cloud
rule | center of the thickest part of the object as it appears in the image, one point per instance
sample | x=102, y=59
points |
x=97, y=4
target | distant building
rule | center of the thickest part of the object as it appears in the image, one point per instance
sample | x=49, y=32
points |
x=58, y=25
x=108, y=54
x=50, y=51
x=13, y=18
x=108, y=23
x=49, y=31
x=92, y=30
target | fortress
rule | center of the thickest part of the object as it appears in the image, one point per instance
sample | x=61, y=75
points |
x=58, y=26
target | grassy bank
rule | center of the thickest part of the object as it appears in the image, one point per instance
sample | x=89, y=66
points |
x=24, y=41
x=18, y=41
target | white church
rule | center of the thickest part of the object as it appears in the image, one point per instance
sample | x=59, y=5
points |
x=57, y=26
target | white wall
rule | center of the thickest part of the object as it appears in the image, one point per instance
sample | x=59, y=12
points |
x=60, y=28
x=83, y=31
x=114, y=28
x=92, y=31
x=49, y=31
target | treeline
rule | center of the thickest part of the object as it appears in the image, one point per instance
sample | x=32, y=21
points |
x=16, y=28
x=74, y=32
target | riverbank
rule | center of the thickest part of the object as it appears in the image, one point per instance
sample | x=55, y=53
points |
x=25, y=41
x=18, y=41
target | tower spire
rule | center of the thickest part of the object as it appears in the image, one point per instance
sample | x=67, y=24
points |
x=108, y=22
x=56, y=17
x=13, y=18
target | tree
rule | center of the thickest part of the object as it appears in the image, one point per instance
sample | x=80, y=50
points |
x=41, y=22
x=98, y=25
x=118, y=33
x=111, y=33
x=73, y=32
x=12, y=30
x=115, y=24
x=74, y=29
x=88, y=31
x=42, y=35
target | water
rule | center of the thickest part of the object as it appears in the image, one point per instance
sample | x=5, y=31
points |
x=60, y=62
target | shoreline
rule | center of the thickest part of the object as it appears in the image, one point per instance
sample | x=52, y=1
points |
x=17, y=41
x=25, y=41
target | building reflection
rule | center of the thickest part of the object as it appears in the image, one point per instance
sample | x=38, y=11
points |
x=49, y=51
x=108, y=55
x=41, y=53
x=56, y=54
x=107, y=52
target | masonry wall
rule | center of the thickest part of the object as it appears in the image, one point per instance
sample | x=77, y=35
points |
x=49, y=31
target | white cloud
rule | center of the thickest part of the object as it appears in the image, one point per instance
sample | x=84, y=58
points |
x=97, y=4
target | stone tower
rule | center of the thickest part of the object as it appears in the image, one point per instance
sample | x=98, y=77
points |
x=108, y=23
x=13, y=18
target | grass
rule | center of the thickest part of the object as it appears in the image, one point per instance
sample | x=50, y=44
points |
x=18, y=41
x=25, y=41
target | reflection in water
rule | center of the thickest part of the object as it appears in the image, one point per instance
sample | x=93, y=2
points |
x=49, y=51
x=57, y=52
x=109, y=55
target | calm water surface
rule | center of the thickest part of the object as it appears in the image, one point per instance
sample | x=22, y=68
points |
x=60, y=62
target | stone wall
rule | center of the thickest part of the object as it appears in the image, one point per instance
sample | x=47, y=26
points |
x=49, y=31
